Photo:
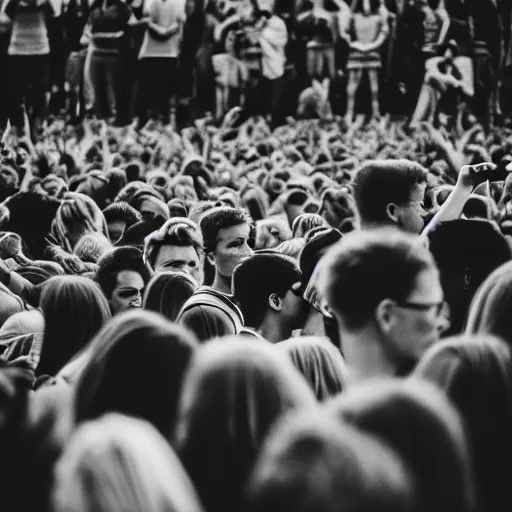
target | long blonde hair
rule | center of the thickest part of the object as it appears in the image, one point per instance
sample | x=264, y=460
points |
x=120, y=463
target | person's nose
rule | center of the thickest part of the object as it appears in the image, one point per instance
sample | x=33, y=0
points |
x=137, y=301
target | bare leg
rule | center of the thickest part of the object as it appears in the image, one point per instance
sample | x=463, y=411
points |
x=354, y=79
x=373, y=76
x=219, y=101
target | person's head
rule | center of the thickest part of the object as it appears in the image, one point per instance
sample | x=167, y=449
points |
x=92, y=246
x=136, y=366
x=120, y=216
x=122, y=276
x=74, y=310
x=234, y=392
x=391, y=192
x=400, y=413
x=310, y=463
x=466, y=253
x=320, y=362
x=305, y=222
x=228, y=238
x=383, y=288
x=338, y=206
x=177, y=246
x=167, y=292
x=267, y=288
x=120, y=463
x=77, y=216
x=488, y=312
x=476, y=374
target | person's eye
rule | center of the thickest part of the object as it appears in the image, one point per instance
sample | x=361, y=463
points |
x=192, y=264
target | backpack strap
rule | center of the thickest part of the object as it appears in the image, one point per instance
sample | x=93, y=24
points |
x=206, y=296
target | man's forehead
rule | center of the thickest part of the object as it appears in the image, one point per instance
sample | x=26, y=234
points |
x=129, y=278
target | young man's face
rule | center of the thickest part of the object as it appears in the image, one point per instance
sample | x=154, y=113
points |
x=181, y=258
x=411, y=214
x=128, y=291
x=421, y=319
x=232, y=248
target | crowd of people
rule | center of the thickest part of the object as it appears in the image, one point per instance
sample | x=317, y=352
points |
x=177, y=60
x=260, y=299
x=229, y=317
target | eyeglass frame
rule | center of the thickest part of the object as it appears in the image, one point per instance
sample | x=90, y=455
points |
x=424, y=306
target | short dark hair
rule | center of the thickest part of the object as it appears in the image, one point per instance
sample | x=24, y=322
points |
x=122, y=212
x=259, y=276
x=115, y=261
x=368, y=266
x=178, y=231
x=219, y=218
x=380, y=182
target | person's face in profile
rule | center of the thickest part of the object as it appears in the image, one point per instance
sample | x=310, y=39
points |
x=417, y=322
x=232, y=247
x=410, y=215
x=180, y=258
x=128, y=291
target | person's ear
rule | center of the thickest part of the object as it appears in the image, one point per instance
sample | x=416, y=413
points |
x=275, y=302
x=392, y=212
x=385, y=315
x=210, y=258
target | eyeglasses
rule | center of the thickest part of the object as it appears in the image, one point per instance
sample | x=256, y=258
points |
x=440, y=307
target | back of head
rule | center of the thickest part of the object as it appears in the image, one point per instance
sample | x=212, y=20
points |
x=381, y=182
x=400, y=413
x=74, y=310
x=366, y=267
x=167, y=292
x=119, y=463
x=320, y=362
x=77, y=214
x=475, y=372
x=91, y=247
x=305, y=223
x=489, y=310
x=310, y=464
x=234, y=392
x=466, y=252
x=33, y=228
x=318, y=241
x=136, y=367
x=258, y=277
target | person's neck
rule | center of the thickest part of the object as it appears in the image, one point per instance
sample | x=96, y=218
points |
x=222, y=284
x=273, y=330
x=314, y=325
x=364, y=355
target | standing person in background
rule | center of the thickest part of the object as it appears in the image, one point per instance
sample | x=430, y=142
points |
x=29, y=58
x=108, y=23
x=272, y=36
x=159, y=58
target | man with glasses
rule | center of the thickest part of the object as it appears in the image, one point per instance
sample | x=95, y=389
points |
x=383, y=288
x=267, y=287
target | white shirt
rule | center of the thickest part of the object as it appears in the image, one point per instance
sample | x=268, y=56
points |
x=273, y=39
x=163, y=13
